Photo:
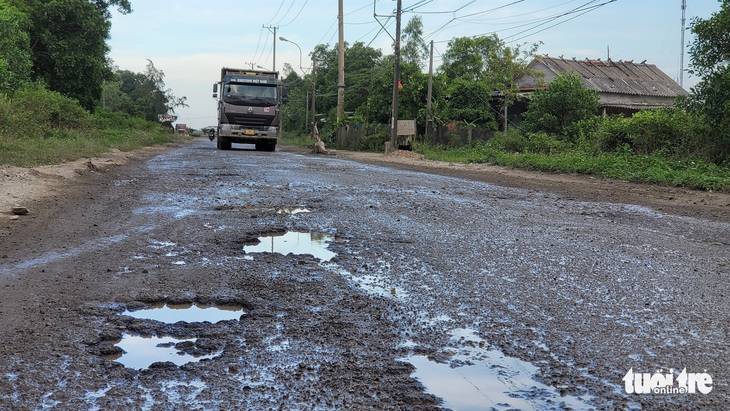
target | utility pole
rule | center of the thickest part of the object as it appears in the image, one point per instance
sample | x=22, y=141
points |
x=341, y=64
x=429, y=94
x=273, y=30
x=396, y=77
x=314, y=94
x=681, y=59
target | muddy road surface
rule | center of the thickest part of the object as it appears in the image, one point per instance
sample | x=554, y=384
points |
x=228, y=280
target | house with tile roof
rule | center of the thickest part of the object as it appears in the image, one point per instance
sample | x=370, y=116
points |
x=624, y=87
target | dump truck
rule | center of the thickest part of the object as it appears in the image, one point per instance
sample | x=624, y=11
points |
x=249, y=108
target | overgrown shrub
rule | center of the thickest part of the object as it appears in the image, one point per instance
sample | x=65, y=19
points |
x=544, y=143
x=37, y=110
x=374, y=142
x=667, y=130
x=511, y=141
x=565, y=102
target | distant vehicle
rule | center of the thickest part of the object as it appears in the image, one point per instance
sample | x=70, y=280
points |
x=249, y=108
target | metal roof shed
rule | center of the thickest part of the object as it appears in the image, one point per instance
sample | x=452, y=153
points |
x=623, y=87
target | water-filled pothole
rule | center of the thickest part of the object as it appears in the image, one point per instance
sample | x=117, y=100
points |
x=479, y=378
x=141, y=352
x=294, y=242
x=292, y=210
x=189, y=313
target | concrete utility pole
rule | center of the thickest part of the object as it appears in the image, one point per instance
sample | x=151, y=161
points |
x=429, y=94
x=681, y=60
x=396, y=78
x=273, y=30
x=314, y=94
x=341, y=64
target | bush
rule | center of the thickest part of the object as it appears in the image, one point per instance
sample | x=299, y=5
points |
x=565, y=102
x=374, y=142
x=35, y=111
x=612, y=134
x=667, y=130
x=511, y=141
x=543, y=143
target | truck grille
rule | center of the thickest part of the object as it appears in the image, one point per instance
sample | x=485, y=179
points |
x=251, y=120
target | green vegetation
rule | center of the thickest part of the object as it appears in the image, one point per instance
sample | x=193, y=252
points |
x=653, y=168
x=668, y=147
x=38, y=127
x=60, y=97
x=561, y=132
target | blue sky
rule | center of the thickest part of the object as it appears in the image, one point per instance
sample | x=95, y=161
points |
x=191, y=40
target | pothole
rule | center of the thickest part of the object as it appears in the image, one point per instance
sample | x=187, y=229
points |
x=294, y=242
x=189, y=313
x=476, y=377
x=292, y=211
x=141, y=352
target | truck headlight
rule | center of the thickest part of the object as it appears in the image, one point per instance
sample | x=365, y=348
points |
x=273, y=130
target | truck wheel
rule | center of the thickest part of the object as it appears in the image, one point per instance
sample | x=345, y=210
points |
x=224, y=145
x=271, y=146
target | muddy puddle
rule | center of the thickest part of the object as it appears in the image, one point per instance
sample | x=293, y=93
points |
x=294, y=242
x=292, y=210
x=189, y=313
x=141, y=352
x=479, y=378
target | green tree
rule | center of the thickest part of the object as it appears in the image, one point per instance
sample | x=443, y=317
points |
x=483, y=66
x=140, y=94
x=123, y=6
x=710, y=54
x=565, y=102
x=15, y=60
x=468, y=101
x=414, y=49
x=68, y=44
x=360, y=63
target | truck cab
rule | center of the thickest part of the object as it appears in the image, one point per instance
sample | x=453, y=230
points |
x=249, y=108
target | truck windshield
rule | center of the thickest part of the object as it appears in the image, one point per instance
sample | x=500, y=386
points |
x=250, y=94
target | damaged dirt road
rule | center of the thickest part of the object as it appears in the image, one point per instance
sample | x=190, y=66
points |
x=199, y=279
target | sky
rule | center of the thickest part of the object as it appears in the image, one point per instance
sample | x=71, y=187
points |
x=190, y=40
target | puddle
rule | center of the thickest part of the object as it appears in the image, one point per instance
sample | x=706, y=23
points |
x=493, y=381
x=141, y=352
x=293, y=242
x=292, y=211
x=499, y=383
x=189, y=313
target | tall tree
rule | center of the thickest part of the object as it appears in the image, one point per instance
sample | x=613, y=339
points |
x=15, y=60
x=141, y=94
x=68, y=44
x=710, y=54
x=414, y=49
x=482, y=66
x=360, y=62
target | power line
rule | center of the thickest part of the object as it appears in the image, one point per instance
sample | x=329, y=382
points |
x=295, y=17
x=277, y=11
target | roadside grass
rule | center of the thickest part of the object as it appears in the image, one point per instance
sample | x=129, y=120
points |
x=69, y=145
x=654, y=169
x=296, y=140
x=39, y=127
